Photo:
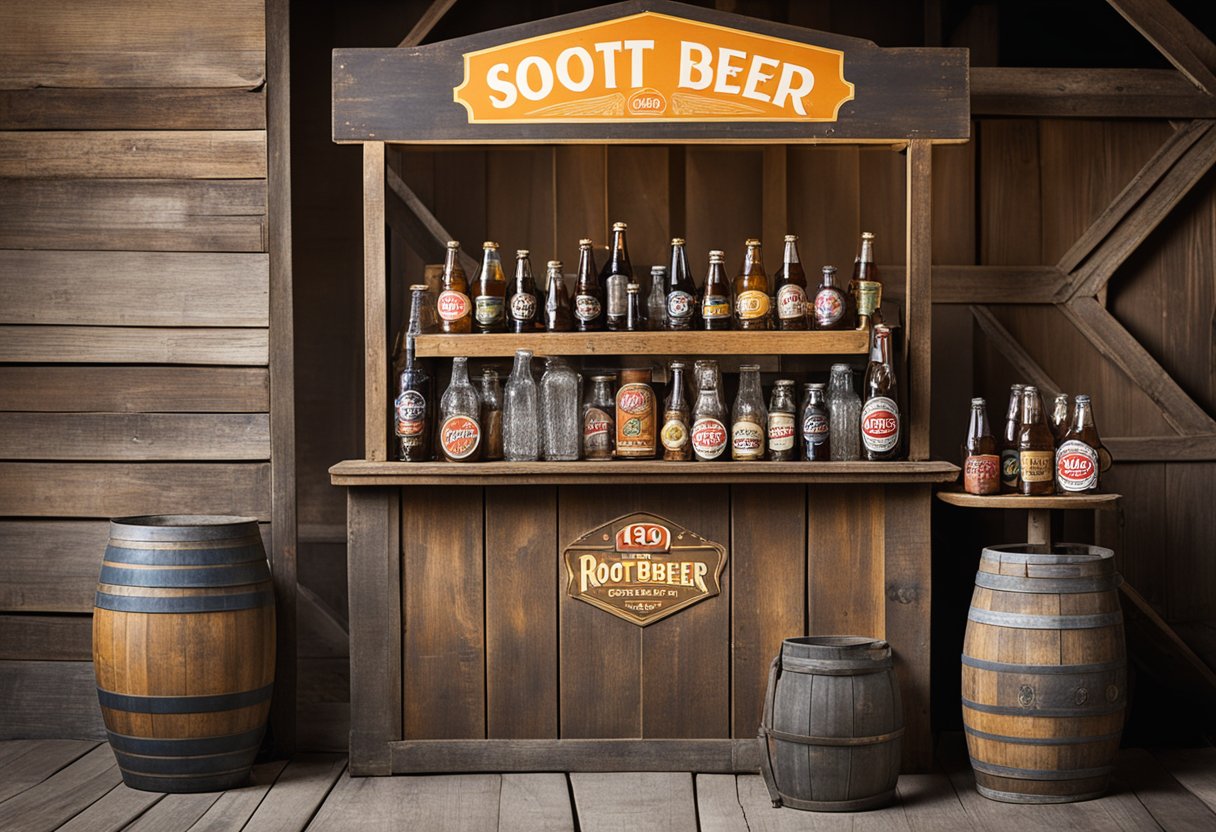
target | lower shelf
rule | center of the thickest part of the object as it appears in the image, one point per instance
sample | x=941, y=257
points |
x=626, y=472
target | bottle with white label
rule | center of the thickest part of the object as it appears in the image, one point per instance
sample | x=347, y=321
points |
x=752, y=303
x=674, y=435
x=748, y=417
x=615, y=277
x=709, y=434
x=681, y=307
x=460, y=437
x=588, y=293
x=880, y=420
x=816, y=427
x=789, y=289
x=782, y=416
x=1077, y=457
x=716, y=300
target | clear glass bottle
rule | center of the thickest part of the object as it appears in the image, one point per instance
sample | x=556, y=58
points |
x=460, y=434
x=700, y=368
x=782, y=434
x=748, y=417
x=599, y=419
x=491, y=414
x=521, y=412
x=559, y=412
x=844, y=407
x=709, y=432
x=656, y=301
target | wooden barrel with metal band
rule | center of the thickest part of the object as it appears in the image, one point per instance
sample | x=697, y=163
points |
x=832, y=725
x=1044, y=673
x=184, y=650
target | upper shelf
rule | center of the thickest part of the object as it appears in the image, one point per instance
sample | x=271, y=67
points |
x=848, y=342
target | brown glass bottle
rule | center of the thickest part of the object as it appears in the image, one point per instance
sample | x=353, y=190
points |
x=1036, y=449
x=599, y=419
x=634, y=322
x=1078, y=455
x=1011, y=482
x=455, y=308
x=752, y=302
x=830, y=308
x=1059, y=417
x=588, y=293
x=415, y=404
x=880, y=419
x=490, y=292
x=558, y=317
x=635, y=415
x=490, y=393
x=615, y=277
x=522, y=308
x=981, y=462
x=681, y=292
x=716, y=298
x=675, y=434
x=866, y=285
x=782, y=416
x=789, y=289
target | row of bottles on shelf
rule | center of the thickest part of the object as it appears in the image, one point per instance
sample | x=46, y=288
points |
x=617, y=416
x=1037, y=455
x=611, y=298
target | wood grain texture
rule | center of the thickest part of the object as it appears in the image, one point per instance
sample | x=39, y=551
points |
x=174, y=811
x=648, y=343
x=443, y=603
x=1172, y=804
x=55, y=638
x=133, y=345
x=1086, y=93
x=433, y=13
x=100, y=437
x=637, y=191
x=133, y=214
x=829, y=225
x=1194, y=768
x=918, y=300
x=1186, y=47
x=298, y=793
x=580, y=202
x=654, y=802
x=48, y=108
x=521, y=612
x=845, y=539
x=1189, y=574
x=133, y=154
x=113, y=288
x=27, y=763
x=49, y=804
x=520, y=190
x=116, y=809
x=375, y=312
x=636, y=755
x=718, y=807
x=534, y=803
x=148, y=389
x=66, y=489
x=76, y=44
x=998, y=284
x=50, y=565
x=1194, y=448
x=50, y=700
x=768, y=561
x=1008, y=346
x=234, y=808
x=367, y=804
x=1009, y=205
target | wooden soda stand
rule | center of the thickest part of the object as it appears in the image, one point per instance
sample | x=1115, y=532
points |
x=470, y=650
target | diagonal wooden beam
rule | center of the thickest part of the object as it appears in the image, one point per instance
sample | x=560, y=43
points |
x=1117, y=345
x=418, y=225
x=1027, y=368
x=433, y=14
x=1175, y=37
x=1159, y=199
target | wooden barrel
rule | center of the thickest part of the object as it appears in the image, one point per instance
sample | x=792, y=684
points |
x=183, y=649
x=830, y=733
x=1044, y=673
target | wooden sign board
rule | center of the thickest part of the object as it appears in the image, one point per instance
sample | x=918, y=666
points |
x=642, y=568
x=650, y=71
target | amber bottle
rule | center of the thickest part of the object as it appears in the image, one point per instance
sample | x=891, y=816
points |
x=455, y=308
x=1036, y=448
x=751, y=290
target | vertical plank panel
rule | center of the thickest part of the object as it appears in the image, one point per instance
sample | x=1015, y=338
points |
x=580, y=200
x=686, y=656
x=1010, y=228
x=768, y=600
x=882, y=175
x=724, y=196
x=1141, y=527
x=460, y=196
x=776, y=220
x=519, y=202
x=918, y=295
x=637, y=194
x=375, y=316
x=1190, y=570
x=521, y=612
x=845, y=528
x=825, y=206
x=442, y=596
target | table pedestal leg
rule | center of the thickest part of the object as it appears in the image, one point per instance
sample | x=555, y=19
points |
x=1038, y=526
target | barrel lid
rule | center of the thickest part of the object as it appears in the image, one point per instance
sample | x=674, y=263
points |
x=836, y=647
x=182, y=527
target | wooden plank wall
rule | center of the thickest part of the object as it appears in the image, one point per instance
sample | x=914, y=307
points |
x=134, y=307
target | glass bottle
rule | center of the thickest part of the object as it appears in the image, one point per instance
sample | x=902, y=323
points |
x=981, y=462
x=1059, y=417
x=1011, y=481
x=599, y=419
x=588, y=293
x=558, y=317
x=415, y=403
x=635, y=415
x=816, y=419
x=782, y=410
x=831, y=306
x=700, y=368
x=522, y=308
x=460, y=434
x=844, y=408
x=559, y=412
x=751, y=291
x=656, y=301
x=521, y=412
x=716, y=300
x=675, y=432
x=1036, y=448
x=491, y=413
x=454, y=307
x=634, y=322
x=709, y=433
x=681, y=300
x=866, y=285
x=428, y=321
x=789, y=289
x=880, y=419
x=490, y=292
x=748, y=417
x=616, y=275
x=1078, y=461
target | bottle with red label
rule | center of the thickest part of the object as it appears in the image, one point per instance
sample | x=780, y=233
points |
x=599, y=419
x=816, y=425
x=588, y=293
x=831, y=305
x=1078, y=458
x=454, y=307
x=415, y=404
x=751, y=290
x=748, y=417
x=782, y=416
x=460, y=437
x=981, y=462
x=789, y=289
x=677, y=446
x=681, y=306
x=880, y=419
x=635, y=415
x=1036, y=457
x=708, y=416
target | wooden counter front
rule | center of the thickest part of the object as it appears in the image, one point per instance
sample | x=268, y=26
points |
x=467, y=654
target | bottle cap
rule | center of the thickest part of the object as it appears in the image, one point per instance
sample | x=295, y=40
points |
x=1013, y=387
x=842, y=368
x=619, y=226
x=867, y=235
x=489, y=372
x=818, y=386
x=1030, y=388
x=489, y=244
x=978, y=402
x=717, y=256
x=632, y=287
x=585, y=242
x=453, y=244
x=791, y=238
x=521, y=253
x=784, y=382
x=419, y=287
x=602, y=378
x=747, y=368
x=829, y=270
x=677, y=241
x=554, y=264
x=658, y=270
x=1082, y=397
x=752, y=241
x=678, y=365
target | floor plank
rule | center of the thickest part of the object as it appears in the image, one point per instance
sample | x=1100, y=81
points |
x=63, y=795
x=1194, y=768
x=297, y=793
x=634, y=802
x=535, y=803
x=466, y=802
x=26, y=763
x=718, y=808
x=762, y=817
x=235, y=807
x=1171, y=805
x=174, y=812
x=931, y=805
x=117, y=808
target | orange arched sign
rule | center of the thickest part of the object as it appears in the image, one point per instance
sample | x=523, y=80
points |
x=653, y=67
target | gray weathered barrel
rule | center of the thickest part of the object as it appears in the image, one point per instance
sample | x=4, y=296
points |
x=1044, y=673
x=184, y=650
x=832, y=723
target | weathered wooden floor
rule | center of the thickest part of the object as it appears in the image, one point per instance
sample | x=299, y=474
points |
x=72, y=785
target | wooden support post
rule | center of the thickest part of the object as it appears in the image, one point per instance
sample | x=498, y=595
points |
x=1038, y=526
x=375, y=309
x=919, y=294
